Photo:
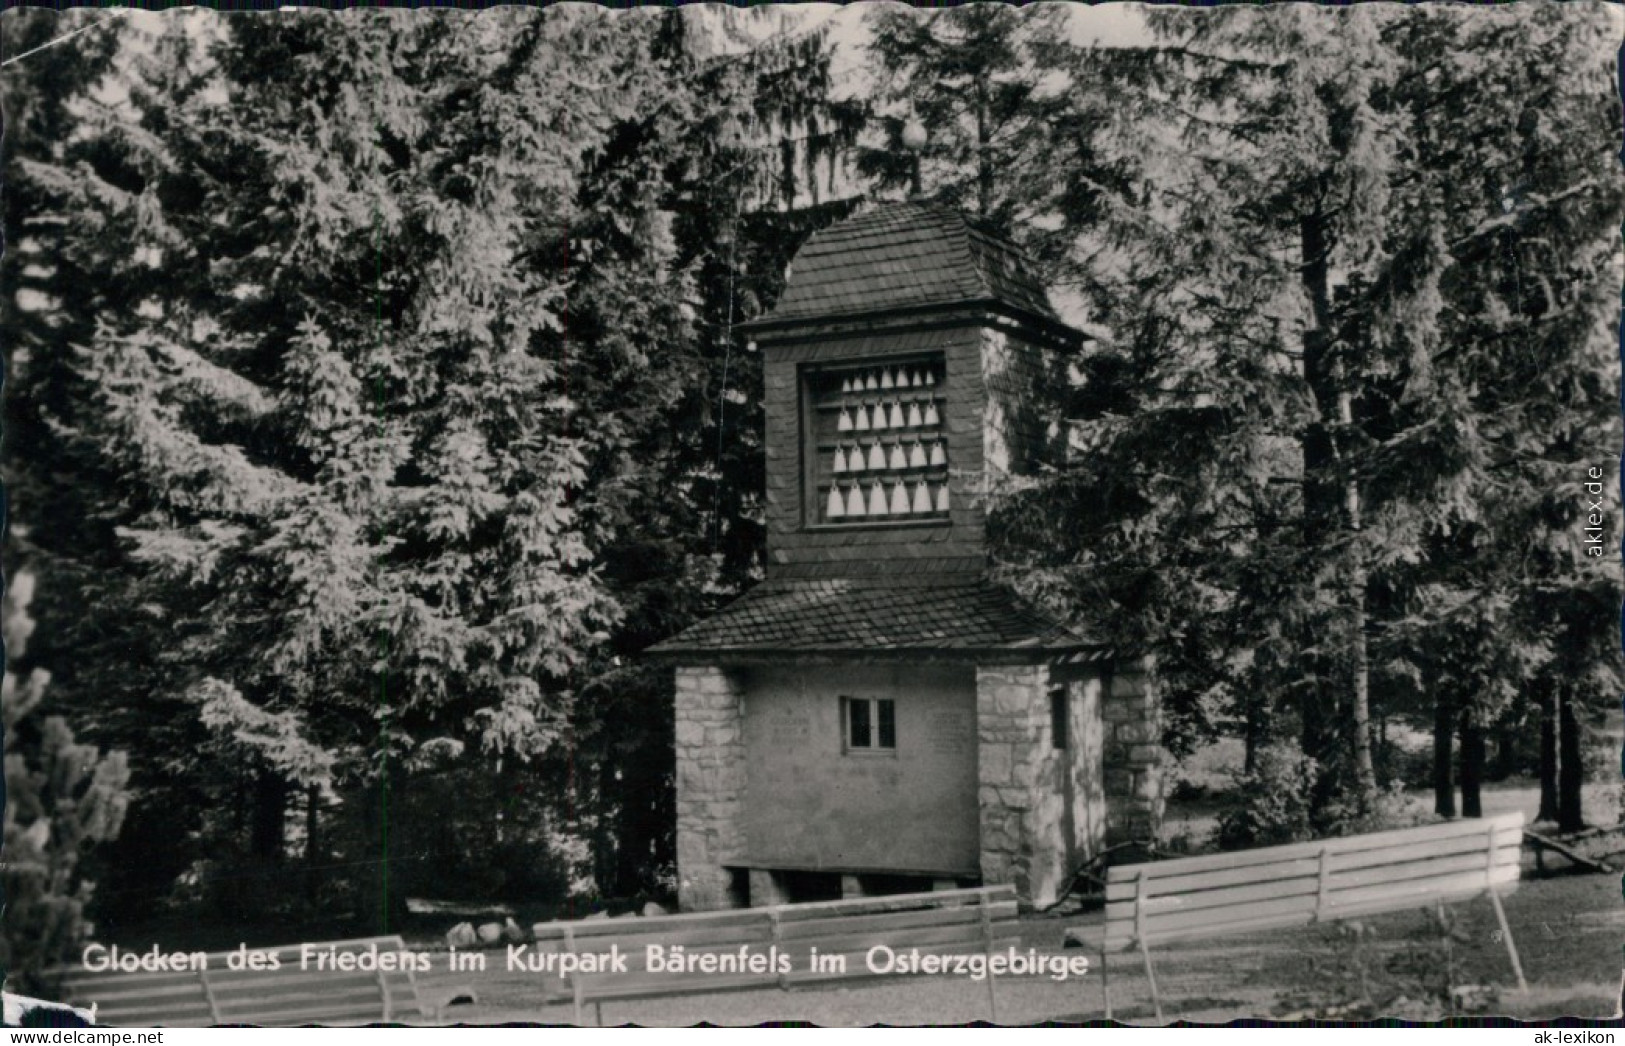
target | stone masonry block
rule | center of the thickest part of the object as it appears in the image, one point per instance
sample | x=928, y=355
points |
x=996, y=763
x=1134, y=733
x=1150, y=755
x=1130, y=685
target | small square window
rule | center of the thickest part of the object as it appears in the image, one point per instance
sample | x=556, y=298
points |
x=870, y=723
x=1057, y=717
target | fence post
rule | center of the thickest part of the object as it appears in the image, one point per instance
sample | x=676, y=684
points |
x=987, y=951
x=778, y=941
x=1324, y=884
x=1145, y=948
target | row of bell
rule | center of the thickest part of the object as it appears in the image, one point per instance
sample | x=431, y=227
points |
x=876, y=459
x=887, y=378
x=852, y=502
x=884, y=418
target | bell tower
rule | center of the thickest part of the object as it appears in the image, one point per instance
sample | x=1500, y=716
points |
x=876, y=711
x=911, y=360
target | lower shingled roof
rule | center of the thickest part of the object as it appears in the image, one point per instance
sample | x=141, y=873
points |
x=874, y=615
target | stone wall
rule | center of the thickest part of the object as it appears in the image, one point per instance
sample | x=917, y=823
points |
x=1037, y=805
x=1011, y=726
x=710, y=786
x=1041, y=806
x=1025, y=385
x=815, y=804
x=1084, y=788
x=1134, y=757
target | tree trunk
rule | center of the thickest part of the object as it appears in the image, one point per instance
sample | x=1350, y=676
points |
x=1472, y=764
x=1255, y=733
x=1332, y=507
x=1444, y=786
x=1506, y=751
x=1548, y=753
x=984, y=154
x=1570, y=766
x=270, y=810
x=313, y=798
x=380, y=896
x=1360, y=685
x=1319, y=516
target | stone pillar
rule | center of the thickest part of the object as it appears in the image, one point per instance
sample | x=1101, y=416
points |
x=1133, y=756
x=766, y=889
x=1011, y=728
x=710, y=786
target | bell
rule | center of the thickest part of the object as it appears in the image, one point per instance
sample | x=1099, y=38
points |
x=877, y=457
x=931, y=416
x=854, y=500
x=915, y=418
x=898, y=460
x=869, y=382
x=862, y=423
x=930, y=377
x=896, y=415
x=845, y=422
x=916, y=457
x=837, y=507
x=886, y=381
x=846, y=384
x=938, y=458
x=840, y=459
x=899, y=499
x=877, y=499
x=922, y=498
x=942, y=498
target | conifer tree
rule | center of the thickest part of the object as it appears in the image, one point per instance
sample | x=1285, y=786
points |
x=1303, y=421
x=416, y=344
x=63, y=799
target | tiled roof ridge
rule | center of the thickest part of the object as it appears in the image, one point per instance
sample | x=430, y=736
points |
x=859, y=615
x=908, y=254
x=971, y=234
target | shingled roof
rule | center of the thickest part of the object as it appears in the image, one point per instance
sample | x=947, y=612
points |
x=906, y=256
x=874, y=616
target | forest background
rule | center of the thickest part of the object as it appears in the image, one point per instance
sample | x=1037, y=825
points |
x=372, y=399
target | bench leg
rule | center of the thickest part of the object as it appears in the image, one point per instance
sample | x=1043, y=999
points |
x=1105, y=984
x=1512, y=948
x=1151, y=975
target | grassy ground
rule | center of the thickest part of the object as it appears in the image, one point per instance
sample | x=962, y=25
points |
x=1568, y=931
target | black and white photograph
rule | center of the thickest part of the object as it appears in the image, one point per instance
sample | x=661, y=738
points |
x=849, y=514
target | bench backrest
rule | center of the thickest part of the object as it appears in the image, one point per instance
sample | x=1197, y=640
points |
x=1310, y=882
x=945, y=921
x=317, y=993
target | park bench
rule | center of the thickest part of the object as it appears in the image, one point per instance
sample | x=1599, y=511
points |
x=947, y=922
x=286, y=996
x=1189, y=898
